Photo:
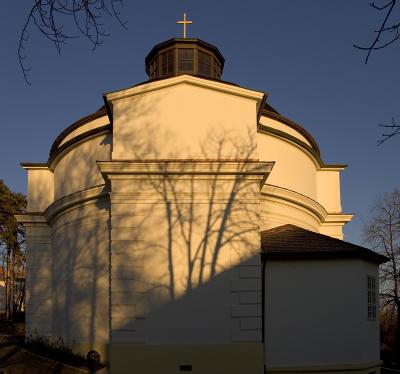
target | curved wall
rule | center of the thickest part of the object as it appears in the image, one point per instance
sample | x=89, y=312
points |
x=80, y=281
x=77, y=170
x=278, y=210
x=275, y=124
x=294, y=169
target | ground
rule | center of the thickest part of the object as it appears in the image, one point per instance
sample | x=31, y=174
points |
x=14, y=360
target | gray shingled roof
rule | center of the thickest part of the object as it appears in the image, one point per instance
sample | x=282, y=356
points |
x=293, y=242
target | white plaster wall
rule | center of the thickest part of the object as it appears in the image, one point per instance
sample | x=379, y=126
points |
x=77, y=169
x=80, y=282
x=276, y=211
x=102, y=121
x=158, y=294
x=40, y=189
x=328, y=190
x=293, y=169
x=282, y=127
x=335, y=230
x=184, y=121
x=316, y=313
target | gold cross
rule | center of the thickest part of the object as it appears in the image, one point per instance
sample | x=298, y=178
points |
x=184, y=23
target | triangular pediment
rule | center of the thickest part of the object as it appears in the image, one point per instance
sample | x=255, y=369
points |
x=184, y=117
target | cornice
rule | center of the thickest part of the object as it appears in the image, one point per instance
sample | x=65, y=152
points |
x=295, y=198
x=34, y=165
x=309, y=151
x=201, y=167
x=280, y=118
x=306, y=202
x=74, y=199
x=60, y=151
x=31, y=218
x=75, y=141
x=186, y=79
x=338, y=218
x=80, y=122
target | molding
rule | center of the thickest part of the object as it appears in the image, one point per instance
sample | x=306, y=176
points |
x=309, y=151
x=31, y=217
x=325, y=368
x=79, y=139
x=60, y=152
x=102, y=112
x=34, y=165
x=298, y=199
x=73, y=199
x=185, y=79
x=310, y=205
x=333, y=219
x=301, y=130
x=185, y=167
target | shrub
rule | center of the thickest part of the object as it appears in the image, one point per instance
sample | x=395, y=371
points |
x=53, y=349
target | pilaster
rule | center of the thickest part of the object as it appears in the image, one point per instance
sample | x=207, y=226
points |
x=38, y=295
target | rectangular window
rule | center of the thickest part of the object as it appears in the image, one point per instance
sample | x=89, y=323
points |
x=153, y=69
x=204, y=64
x=167, y=63
x=372, y=294
x=185, y=58
x=217, y=69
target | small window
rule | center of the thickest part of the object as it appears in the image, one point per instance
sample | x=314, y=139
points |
x=204, y=64
x=185, y=58
x=167, y=66
x=217, y=69
x=153, y=69
x=371, y=284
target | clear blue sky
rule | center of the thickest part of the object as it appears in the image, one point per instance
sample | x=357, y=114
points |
x=299, y=52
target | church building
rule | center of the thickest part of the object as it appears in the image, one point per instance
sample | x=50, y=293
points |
x=187, y=226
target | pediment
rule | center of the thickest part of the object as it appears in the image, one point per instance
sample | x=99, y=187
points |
x=184, y=117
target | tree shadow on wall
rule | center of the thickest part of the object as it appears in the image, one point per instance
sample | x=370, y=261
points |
x=185, y=233
x=163, y=253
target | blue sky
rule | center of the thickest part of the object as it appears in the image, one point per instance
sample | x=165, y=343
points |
x=299, y=52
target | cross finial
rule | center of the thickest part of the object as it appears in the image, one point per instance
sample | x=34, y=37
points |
x=184, y=23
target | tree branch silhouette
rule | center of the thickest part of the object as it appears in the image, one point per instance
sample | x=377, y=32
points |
x=48, y=17
x=395, y=130
x=388, y=32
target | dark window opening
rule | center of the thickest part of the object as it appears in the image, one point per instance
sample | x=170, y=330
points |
x=204, y=64
x=153, y=69
x=372, y=292
x=217, y=69
x=167, y=66
x=185, y=58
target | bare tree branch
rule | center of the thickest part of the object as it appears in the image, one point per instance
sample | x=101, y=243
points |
x=48, y=17
x=382, y=233
x=395, y=127
x=387, y=33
